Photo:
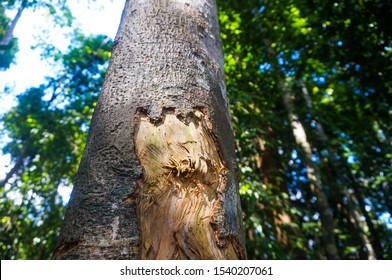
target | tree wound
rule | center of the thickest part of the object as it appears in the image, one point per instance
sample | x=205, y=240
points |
x=179, y=198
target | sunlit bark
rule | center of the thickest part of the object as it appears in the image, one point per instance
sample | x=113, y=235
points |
x=157, y=178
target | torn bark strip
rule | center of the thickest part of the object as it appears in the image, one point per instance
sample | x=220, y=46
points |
x=183, y=177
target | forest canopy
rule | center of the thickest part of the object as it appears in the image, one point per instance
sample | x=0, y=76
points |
x=310, y=91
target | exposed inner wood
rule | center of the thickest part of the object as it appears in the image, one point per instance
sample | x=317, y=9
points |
x=180, y=190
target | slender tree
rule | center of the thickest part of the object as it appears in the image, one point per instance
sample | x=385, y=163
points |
x=58, y=11
x=158, y=177
x=6, y=40
x=312, y=170
x=354, y=213
x=313, y=175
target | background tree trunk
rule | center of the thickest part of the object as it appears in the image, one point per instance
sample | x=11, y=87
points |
x=313, y=175
x=312, y=172
x=5, y=41
x=352, y=202
x=157, y=178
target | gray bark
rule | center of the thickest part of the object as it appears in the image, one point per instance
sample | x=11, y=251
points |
x=166, y=61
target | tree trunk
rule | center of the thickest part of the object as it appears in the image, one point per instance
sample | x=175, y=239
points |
x=316, y=187
x=369, y=221
x=5, y=41
x=354, y=211
x=267, y=162
x=18, y=164
x=157, y=178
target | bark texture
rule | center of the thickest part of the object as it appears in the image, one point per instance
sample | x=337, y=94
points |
x=157, y=178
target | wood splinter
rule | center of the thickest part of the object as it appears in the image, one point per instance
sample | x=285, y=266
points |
x=184, y=176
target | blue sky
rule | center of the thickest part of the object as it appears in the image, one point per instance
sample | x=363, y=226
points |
x=98, y=17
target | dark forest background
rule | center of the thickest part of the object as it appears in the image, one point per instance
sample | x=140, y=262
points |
x=310, y=87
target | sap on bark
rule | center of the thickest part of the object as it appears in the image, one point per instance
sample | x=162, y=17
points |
x=179, y=198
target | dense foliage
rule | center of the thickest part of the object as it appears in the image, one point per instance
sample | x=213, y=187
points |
x=324, y=66
x=310, y=90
